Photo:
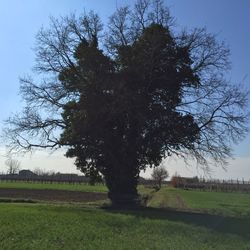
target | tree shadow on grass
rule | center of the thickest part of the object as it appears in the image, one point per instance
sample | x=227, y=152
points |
x=218, y=223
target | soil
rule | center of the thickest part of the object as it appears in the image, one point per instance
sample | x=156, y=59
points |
x=180, y=202
x=51, y=195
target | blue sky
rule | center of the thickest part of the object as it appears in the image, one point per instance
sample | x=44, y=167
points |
x=21, y=19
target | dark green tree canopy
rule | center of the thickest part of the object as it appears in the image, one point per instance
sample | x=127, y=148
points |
x=123, y=100
x=125, y=117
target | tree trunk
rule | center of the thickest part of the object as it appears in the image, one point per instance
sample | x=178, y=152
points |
x=159, y=184
x=122, y=184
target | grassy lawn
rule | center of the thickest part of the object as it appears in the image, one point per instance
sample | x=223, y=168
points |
x=231, y=204
x=64, y=186
x=39, y=226
x=57, y=186
x=175, y=219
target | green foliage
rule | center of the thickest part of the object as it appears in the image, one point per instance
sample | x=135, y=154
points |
x=125, y=118
x=124, y=99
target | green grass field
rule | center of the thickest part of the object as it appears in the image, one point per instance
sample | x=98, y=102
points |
x=231, y=204
x=175, y=219
x=37, y=226
x=57, y=186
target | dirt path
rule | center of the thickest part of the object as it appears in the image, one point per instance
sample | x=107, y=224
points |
x=51, y=195
x=180, y=202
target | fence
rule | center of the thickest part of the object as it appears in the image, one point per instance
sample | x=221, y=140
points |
x=62, y=178
x=71, y=179
x=212, y=184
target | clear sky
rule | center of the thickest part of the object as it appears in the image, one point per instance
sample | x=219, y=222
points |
x=21, y=19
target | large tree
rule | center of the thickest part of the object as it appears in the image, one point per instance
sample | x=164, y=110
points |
x=124, y=98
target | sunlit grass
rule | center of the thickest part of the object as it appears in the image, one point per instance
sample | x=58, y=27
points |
x=176, y=219
x=233, y=204
x=37, y=226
